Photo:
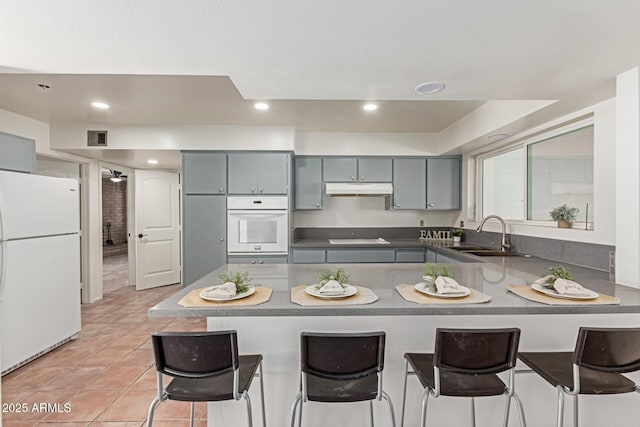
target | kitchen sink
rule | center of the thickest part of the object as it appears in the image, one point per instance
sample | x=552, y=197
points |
x=482, y=251
x=491, y=252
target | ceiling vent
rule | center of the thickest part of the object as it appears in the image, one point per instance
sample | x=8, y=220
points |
x=97, y=138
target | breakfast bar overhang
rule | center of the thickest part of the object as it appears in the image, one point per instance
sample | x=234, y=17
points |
x=273, y=329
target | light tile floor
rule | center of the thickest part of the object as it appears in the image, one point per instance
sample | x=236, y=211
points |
x=106, y=375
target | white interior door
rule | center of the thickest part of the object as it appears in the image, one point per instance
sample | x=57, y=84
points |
x=157, y=230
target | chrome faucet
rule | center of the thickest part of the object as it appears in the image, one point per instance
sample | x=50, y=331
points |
x=504, y=244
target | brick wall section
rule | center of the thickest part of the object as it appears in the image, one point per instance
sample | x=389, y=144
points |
x=114, y=210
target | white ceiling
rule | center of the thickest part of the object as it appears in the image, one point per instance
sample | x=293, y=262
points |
x=316, y=62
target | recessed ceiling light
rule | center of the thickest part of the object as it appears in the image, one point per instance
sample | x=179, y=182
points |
x=497, y=137
x=261, y=106
x=370, y=107
x=152, y=161
x=429, y=87
x=100, y=105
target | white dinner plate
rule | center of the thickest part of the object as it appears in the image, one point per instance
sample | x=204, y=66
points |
x=348, y=291
x=204, y=294
x=422, y=287
x=588, y=293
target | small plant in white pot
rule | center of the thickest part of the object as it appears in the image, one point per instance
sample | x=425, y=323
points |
x=564, y=215
x=457, y=234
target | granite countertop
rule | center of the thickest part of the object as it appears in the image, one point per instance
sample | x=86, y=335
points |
x=490, y=278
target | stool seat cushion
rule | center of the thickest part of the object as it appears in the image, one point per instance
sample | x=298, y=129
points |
x=351, y=390
x=212, y=389
x=454, y=384
x=557, y=369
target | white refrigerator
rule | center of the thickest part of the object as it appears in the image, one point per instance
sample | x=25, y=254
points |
x=39, y=265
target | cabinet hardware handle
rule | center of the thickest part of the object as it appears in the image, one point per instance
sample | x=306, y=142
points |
x=353, y=178
x=431, y=205
x=261, y=262
x=253, y=261
x=221, y=189
x=261, y=190
x=142, y=235
x=317, y=205
x=362, y=178
x=222, y=239
x=253, y=190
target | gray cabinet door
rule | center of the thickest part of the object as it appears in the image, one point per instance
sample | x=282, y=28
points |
x=410, y=255
x=374, y=170
x=443, y=183
x=204, y=228
x=308, y=183
x=308, y=256
x=242, y=173
x=273, y=173
x=409, y=184
x=258, y=173
x=360, y=255
x=17, y=153
x=340, y=169
x=430, y=255
x=204, y=173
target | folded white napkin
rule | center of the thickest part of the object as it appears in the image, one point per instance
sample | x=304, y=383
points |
x=447, y=285
x=227, y=289
x=568, y=287
x=332, y=287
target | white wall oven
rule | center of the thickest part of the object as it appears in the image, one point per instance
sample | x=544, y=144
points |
x=257, y=225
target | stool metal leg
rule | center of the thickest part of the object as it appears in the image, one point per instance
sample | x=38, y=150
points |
x=425, y=400
x=473, y=411
x=248, y=401
x=294, y=407
x=575, y=410
x=371, y=413
x=391, y=411
x=404, y=393
x=300, y=413
x=193, y=412
x=264, y=415
x=523, y=421
x=560, y=406
x=152, y=409
x=507, y=407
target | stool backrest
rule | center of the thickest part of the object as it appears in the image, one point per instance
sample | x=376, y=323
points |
x=608, y=349
x=342, y=356
x=476, y=351
x=195, y=354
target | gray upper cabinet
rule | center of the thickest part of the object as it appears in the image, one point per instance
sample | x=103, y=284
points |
x=204, y=229
x=409, y=183
x=308, y=183
x=17, y=153
x=340, y=169
x=258, y=173
x=204, y=173
x=443, y=183
x=352, y=169
x=374, y=170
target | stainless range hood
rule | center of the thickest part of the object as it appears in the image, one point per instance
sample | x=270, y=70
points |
x=358, y=189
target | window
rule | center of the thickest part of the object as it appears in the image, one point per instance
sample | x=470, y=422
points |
x=527, y=180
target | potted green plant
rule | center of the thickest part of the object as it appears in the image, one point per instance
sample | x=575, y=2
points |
x=564, y=215
x=457, y=234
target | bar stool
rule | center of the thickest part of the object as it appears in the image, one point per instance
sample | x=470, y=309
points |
x=205, y=367
x=600, y=357
x=465, y=363
x=341, y=368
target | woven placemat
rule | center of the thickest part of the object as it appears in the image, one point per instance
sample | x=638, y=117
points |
x=260, y=296
x=527, y=292
x=364, y=296
x=409, y=293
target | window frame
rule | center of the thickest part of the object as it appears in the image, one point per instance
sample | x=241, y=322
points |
x=524, y=143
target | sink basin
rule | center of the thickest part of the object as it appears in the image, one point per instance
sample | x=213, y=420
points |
x=490, y=252
x=467, y=248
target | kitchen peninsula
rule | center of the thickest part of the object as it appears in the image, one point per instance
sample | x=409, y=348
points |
x=273, y=329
